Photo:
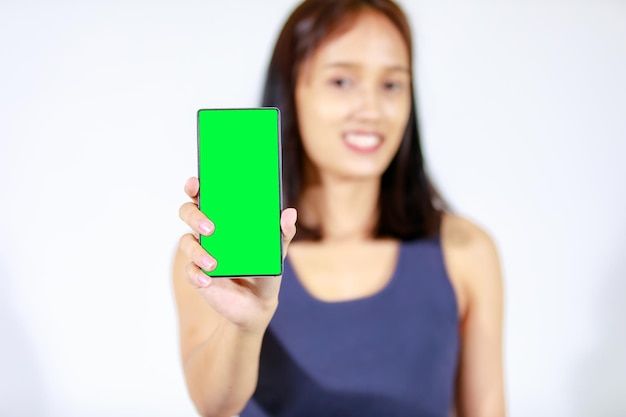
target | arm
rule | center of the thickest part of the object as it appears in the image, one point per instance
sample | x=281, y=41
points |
x=220, y=361
x=474, y=266
x=221, y=321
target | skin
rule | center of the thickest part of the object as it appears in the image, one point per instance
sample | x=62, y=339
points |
x=356, y=82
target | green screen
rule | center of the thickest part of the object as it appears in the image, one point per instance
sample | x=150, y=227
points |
x=240, y=189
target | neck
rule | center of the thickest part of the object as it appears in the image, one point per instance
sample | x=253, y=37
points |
x=343, y=209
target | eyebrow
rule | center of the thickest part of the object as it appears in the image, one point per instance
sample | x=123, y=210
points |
x=340, y=64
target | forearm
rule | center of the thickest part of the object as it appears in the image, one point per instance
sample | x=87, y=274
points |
x=222, y=372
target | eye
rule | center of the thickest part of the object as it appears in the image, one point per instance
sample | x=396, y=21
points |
x=393, y=86
x=341, y=82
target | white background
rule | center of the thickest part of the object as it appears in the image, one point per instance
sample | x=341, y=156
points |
x=523, y=111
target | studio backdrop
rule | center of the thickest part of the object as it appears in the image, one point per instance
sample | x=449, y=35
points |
x=523, y=115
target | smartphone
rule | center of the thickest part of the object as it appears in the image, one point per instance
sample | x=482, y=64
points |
x=239, y=169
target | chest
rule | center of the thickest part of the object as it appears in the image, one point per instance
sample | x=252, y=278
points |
x=343, y=272
x=391, y=354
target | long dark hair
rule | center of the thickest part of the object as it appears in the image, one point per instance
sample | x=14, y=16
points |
x=410, y=207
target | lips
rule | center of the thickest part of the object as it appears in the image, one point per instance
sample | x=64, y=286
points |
x=363, y=141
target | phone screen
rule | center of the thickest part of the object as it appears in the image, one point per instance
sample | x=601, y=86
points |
x=239, y=168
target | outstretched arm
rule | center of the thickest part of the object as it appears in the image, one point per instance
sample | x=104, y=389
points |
x=221, y=321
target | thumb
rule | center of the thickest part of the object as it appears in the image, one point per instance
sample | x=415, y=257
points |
x=288, y=226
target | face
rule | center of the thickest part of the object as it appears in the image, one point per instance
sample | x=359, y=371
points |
x=353, y=98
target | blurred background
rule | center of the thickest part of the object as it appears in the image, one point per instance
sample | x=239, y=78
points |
x=523, y=114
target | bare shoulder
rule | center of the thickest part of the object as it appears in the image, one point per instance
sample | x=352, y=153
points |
x=461, y=234
x=471, y=258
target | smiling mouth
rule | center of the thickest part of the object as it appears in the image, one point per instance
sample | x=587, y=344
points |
x=363, y=142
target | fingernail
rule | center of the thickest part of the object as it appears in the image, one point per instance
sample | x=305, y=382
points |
x=207, y=263
x=203, y=280
x=206, y=227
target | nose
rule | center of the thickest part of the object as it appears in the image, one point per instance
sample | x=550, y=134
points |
x=368, y=104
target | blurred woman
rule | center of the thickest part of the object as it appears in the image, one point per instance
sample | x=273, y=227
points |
x=390, y=305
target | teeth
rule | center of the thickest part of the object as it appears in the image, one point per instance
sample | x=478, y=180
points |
x=363, y=141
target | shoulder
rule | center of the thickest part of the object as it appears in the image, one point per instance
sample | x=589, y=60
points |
x=471, y=259
x=463, y=235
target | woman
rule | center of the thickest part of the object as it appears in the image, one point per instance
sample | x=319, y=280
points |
x=389, y=306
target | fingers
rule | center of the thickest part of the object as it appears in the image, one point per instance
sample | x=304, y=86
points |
x=200, y=259
x=288, y=226
x=190, y=214
x=196, y=277
x=192, y=187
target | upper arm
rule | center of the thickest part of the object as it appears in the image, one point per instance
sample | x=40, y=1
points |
x=474, y=267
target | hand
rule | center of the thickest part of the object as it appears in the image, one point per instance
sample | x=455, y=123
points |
x=248, y=303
